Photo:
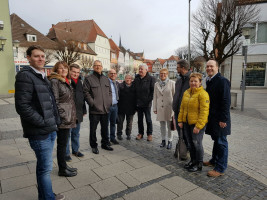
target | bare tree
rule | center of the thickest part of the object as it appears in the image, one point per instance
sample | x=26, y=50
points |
x=49, y=55
x=68, y=52
x=116, y=67
x=182, y=52
x=218, y=26
x=86, y=64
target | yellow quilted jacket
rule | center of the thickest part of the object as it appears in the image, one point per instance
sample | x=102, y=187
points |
x=195, y=107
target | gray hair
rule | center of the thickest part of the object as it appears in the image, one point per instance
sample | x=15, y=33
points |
x=183, y=64
x=129, y=75
x=97, y=61
x=144, y=65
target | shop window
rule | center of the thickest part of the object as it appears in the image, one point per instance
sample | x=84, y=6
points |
x=255, y=74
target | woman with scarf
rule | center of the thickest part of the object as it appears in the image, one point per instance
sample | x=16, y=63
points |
x=60, y=82
x=162, y=105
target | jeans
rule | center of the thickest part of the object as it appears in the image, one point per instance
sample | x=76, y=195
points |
x=194, y=142
x=220, y=153
x=179, y=130
x=94, y=120
x=62, y=140
x=129, y=123
x=163, y=125
x=75, y=140
x=147, y=111
x=112, y=116
x=43, y=150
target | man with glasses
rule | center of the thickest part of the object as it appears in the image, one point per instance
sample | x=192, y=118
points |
x=98, y=95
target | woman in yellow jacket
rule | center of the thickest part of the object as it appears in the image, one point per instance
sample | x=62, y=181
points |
x=193, y=117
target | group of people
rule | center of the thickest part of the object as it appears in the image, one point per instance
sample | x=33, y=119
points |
x=54, y=106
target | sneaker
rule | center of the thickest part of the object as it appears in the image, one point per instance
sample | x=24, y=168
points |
x=59, y=196
x=213, y=173
x=149, y=138
x=119, y=137
x=139, y=136
x=78, y=154
x=68, y=159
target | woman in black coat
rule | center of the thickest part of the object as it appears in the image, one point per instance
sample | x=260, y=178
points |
x=126, y=106
x=66, y=107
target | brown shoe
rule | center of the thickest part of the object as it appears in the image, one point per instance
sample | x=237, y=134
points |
x=213, y=173
x=139, y=136
x=149, y=138
x=208, y=164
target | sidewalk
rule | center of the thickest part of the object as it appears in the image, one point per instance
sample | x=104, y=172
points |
x=138, y=169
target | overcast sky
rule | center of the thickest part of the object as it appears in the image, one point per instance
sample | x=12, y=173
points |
x=156, y=26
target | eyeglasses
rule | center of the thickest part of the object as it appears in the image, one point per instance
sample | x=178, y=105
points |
x=112, y=73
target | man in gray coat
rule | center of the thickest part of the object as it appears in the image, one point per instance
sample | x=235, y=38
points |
x=98, y=95
x=181, y=85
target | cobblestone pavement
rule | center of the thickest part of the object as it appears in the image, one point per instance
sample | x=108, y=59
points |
x=245, y=178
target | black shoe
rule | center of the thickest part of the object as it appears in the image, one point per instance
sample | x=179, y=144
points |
x=197, y=167
x=188, y=165
x=128, y=137
x=109, y=144
x=106, y=147
x=119, y=137
x=95, y=150
x=114, y=141
x=68, y=159
x=163, y=143
x=78, y=154
x=66, y=173
x=169, y=146
x=71, y=169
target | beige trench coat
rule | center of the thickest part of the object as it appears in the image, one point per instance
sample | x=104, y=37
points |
x=162, y=101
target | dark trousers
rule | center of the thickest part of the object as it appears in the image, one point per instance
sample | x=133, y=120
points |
x=220, y=153
x=112, y=117
x=141, y=111
x=179, y=130
x=129, y=123
x=62, y=140
x=94, y=120
x=194, y=142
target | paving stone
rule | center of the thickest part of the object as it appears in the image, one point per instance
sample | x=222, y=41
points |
x=148, y=173
x=102, y=160
x=152, y=192
x=112, y=169
x=3, y=102
x=199, y=194
x=128, y=180
x=86, y=165
x=84, y=178
x=82, y=193
x=178, y=185
x=138, y=162
x=19, y=182
x=8, y=141
x=61, y=185
x=13, y=172
x=29, y=193
x=120, y=155
x=109, y=186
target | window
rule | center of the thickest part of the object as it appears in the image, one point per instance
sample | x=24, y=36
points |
x=79, y=44
x=262, y=33
x=84, y=47
x=31, y=38
x=255, y=74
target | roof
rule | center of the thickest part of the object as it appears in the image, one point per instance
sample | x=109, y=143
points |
x=176, y=58
x=162, y=61
x=149, y=61
x=20, y=29
x=246, y=2
x=114, y=47
x=83, y=31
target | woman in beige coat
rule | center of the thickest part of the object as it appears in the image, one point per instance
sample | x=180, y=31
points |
x=162, y=105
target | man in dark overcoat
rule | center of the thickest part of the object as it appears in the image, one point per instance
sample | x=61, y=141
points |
x=219, y=122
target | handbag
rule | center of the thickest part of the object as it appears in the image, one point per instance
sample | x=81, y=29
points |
x=173, y=124
x=181, y=149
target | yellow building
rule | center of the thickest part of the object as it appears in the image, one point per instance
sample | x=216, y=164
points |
x=7, y=75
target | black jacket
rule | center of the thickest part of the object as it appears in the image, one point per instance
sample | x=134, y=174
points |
x=35, y=104
x=144, y=90
x=220, y=100
x=127, y=100
x=79, y=99
x=181, y=85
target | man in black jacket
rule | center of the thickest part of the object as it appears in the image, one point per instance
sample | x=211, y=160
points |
x=79, y=100
x=98, y=95
x=219, y=122
x=144, y=88
x=35, y=103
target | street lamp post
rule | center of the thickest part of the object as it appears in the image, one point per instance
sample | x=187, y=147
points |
x=189, y=53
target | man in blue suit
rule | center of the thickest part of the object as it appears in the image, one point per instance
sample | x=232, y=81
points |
x=219, y=124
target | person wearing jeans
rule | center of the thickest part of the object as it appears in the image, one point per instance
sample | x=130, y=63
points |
x=36, y=105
